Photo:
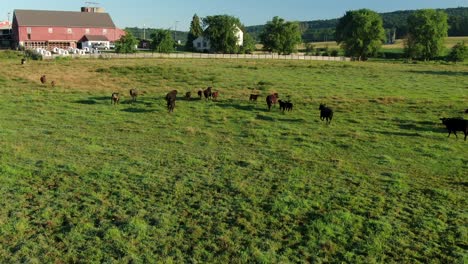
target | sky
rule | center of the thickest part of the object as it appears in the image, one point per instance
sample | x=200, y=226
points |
x=177, y=14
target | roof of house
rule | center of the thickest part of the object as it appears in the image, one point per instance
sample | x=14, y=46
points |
x=95, y=38
x=63, y=19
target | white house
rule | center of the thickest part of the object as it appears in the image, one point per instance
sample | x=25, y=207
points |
x=203, y=44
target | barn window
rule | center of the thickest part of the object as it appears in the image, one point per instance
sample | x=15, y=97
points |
x=198, y=44
x=104, y=31
x=204, y=44
x=51, y=30
x=69, y=31
x=29, y=36
x=28, y=30
x=87, y=31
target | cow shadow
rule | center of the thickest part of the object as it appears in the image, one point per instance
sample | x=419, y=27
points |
x=236, y=106
x=137, y=110
x=421, y=126
x=443, y=73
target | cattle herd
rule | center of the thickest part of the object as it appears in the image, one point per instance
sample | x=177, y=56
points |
x=453, y=124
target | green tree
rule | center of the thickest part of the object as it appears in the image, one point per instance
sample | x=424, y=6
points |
x=360, y=33
x=196, y=31
x=249, y=44
x=281, y=36
x=459, y=52
x=427, y=30
x=162, y=41
x=221, y=31
x=126, y=44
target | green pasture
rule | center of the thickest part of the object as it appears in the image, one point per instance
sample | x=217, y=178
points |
x=84, y=181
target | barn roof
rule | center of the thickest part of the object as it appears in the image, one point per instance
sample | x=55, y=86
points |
x=63, y=19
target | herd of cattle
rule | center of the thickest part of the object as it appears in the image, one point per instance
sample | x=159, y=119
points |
x=453, y=124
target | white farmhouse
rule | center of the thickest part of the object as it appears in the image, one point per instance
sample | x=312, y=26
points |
x=203, y=44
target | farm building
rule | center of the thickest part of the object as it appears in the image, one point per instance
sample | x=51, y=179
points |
x=203, y=44
x=63, y=29
x=5, y=34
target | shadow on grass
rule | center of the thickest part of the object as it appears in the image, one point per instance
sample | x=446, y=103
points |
x=395, y=133
x=236, y=106
x=265, y=118
x=86, y=102
x=137, y=110
x=443, y=73
x=422, y=126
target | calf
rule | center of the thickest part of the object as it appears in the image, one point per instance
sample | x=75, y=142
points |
x=133, y=94
x=215, y=95
x=456, y=124
x=43, y=79
x=52, y=83
x=466, y=111
x=115, y=98
x=271, y=100
x=171, y=98
x=188, y=95
x=253, y=97
x=285, y=105
x=200, y=93
x=326, y=113
x=207, y=93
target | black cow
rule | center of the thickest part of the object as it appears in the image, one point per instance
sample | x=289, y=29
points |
x=207, y=93
x=200, y=93
x=171, y=98
x=456, y=124
x=326, y=113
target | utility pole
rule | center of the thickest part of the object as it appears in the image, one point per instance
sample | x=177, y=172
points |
x=9, y=25
x=144, y=31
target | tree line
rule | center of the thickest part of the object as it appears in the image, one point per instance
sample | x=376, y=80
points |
x=360, y=33
x=324, y=30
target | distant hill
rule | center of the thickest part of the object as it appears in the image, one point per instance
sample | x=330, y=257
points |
x=324, y=30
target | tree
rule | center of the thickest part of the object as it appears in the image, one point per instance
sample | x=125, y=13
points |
x=221, y=31
x=162, y=41
x=281, y=36
x=196, y=31
x=249, y=44
x=427, y=30
x=126, y=44
x=360, y=33
x=459, y=52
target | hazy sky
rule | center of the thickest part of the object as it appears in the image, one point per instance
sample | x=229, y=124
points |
x=171, y=13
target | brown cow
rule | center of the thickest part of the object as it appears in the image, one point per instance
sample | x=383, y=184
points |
x=115, y=98
x=188, y=95
x=215, y=95
x=271, y=100
x=52, y=83
x=133, y=94
x=200, y=93
x=171, y=98
x=253, y=97
x=43, y=79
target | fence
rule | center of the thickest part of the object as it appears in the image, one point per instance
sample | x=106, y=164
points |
x=201, y=56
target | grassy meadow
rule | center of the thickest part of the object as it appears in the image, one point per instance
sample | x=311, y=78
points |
x=83, y=181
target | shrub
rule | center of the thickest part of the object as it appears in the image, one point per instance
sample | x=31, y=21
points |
x=334, y=53
x=458, y=53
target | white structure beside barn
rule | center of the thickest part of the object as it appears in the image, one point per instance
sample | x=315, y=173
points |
x=95, y=41
x=203, y=44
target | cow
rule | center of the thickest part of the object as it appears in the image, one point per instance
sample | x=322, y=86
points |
x=171, y=98
x=115, y=98
x=52, y=83
x=215, y=95
x=253, y=97
x=285, y=105
x=133, y=94
x=43, y=79
x=188, y=95
x=456, y=124
x=200, y=93
x=326, y=113
x=271, y=100
x=207, y=93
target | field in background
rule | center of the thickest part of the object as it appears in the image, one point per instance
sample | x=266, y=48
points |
x=84, y=181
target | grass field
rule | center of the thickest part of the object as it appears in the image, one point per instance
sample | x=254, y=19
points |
x=83, y=181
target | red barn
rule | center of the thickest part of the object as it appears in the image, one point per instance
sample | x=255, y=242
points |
x=63, y=29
